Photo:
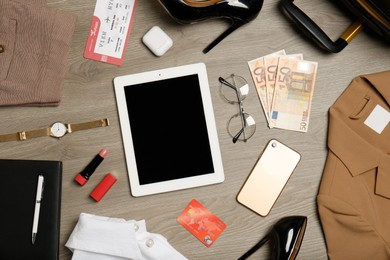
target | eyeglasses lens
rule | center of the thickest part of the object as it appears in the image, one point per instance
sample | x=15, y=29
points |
x=234, y=89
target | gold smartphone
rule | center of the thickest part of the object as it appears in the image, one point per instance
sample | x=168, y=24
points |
x=268, y=177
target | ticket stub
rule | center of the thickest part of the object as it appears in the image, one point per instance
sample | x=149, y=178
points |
x=110, y=30
x=201, y=223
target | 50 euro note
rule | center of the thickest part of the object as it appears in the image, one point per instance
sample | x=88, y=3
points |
x=271, y=63
x=294, y=87
x=258, y=70
x=270, y=69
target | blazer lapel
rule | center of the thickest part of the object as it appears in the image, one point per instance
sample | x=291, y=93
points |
x=358, y=155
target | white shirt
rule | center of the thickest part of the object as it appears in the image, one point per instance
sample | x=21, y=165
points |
x=103, y=238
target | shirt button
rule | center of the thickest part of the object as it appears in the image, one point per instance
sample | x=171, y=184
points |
x=149, y=242
x=136, y=227
x=2, y=48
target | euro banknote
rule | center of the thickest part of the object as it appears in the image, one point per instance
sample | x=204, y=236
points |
x=293, y=94
x=257, y=69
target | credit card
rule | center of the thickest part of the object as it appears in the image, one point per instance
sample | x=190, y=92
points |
x=110, y=30
x=201, y=223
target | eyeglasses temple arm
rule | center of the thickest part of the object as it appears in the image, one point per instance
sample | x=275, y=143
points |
x=243, y=122
x=223, y=81
x=235, y=138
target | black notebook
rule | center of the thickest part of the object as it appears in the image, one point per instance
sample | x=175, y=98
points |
x=18, y=188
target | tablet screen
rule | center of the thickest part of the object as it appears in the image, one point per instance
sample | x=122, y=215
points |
x=168, y=128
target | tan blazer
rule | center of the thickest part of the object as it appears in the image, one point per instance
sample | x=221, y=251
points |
x=354, y=195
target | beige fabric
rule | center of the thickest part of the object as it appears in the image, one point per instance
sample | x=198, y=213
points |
x=36, y=42
x=354, y=196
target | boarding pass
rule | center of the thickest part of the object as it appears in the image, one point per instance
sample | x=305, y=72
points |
x=110, y=30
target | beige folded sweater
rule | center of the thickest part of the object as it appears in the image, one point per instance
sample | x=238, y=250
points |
x=34, y=45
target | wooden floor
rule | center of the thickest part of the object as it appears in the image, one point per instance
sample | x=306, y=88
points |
x=88, y=94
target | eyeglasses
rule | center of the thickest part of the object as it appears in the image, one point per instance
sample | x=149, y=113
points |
x=234, y=89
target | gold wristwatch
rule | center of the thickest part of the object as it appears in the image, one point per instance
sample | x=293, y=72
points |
x=58, y=130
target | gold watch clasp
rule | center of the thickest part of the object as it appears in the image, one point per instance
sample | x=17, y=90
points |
x=22, y=136
x=105, y=122
x=69, y=128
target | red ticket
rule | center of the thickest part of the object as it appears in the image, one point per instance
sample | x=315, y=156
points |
x=110, y=29
x=204, y=225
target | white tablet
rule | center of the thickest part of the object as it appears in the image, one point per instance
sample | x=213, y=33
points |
x=168, y=129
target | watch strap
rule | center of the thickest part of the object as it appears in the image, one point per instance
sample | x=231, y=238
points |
x=24, y=135
x=88, y=125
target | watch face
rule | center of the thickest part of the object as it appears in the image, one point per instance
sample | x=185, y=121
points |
x=58, y=129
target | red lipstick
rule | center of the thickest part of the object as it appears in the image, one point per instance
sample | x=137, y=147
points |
x=85, y=174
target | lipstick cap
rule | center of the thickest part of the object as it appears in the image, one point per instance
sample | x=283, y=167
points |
x=80, y=179
x=102, y=188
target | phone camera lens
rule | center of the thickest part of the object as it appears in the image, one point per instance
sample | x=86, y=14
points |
x=273, y=145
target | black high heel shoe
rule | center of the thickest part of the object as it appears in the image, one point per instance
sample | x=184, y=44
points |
x=239, y=12
x=286, y=237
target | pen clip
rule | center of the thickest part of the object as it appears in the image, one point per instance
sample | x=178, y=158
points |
x=42, y=188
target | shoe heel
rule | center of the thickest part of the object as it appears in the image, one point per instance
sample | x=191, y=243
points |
x=256, y=247
x=236, y=24
x=286, y=235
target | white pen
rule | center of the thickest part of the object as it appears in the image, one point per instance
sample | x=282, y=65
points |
x=38, y=200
